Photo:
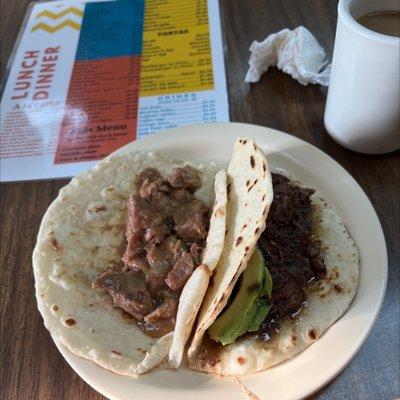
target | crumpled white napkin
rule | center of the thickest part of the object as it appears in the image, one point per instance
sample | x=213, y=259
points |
x=296, y=52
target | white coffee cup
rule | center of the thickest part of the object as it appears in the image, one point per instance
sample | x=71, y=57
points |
x=362, y=111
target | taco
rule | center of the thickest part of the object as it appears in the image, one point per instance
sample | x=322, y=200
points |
x=274, y=291
x=137, y=251
x=115, y=251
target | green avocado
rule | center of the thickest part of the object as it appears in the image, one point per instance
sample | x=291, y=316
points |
x=262, y=311
x=248, y=307
x=267, y=286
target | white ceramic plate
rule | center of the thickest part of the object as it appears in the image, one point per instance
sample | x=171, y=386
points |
x=324, y=359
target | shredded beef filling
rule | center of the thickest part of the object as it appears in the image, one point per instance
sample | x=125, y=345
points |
x=292, y=254
x=165, y=232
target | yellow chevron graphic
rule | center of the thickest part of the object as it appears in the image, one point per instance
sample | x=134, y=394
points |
x=52, y=29
x=54, y=16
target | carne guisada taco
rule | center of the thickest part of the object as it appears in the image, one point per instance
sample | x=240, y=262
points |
x=115, y=251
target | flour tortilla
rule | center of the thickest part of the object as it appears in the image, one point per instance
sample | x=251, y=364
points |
x=249, y=198
x=195, y=288
x=327, y=301
x=156, y=354
x=80, y=236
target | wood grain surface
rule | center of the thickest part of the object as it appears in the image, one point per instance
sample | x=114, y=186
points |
x=31, y=366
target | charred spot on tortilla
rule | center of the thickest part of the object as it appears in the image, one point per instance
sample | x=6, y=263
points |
x=245, y=141
x=141, y=350
x=251, y=187
x=55, y=308
x=214, y=362
x=53, y=241
x=106, y=227
x=219, y=213
x=252, y=162
x=338, y=288
x=70, y=322
x=228, y=188
x=312, y=333
x=95, y=249
x=238, y=240
x=241, y=360
x=206, y=269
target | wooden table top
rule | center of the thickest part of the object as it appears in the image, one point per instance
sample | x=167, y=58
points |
x=32, y=367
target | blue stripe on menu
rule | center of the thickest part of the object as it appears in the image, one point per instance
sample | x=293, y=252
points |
x=111, y=29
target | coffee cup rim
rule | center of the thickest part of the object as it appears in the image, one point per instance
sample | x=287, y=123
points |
x=345, y=15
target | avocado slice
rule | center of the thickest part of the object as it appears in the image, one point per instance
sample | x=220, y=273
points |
x=262, y=311
x=246, y=310
x=267, y=286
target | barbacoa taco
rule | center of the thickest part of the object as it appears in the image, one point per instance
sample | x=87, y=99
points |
x=301, y=277
x=115, y=251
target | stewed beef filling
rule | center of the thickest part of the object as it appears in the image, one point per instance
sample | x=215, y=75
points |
x=166, y=231
x=292, y=254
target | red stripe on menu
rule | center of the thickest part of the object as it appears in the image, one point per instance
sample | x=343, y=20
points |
x=101, y=109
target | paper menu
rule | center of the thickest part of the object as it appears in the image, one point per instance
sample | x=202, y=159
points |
x=89, y=77
x=194, y=75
